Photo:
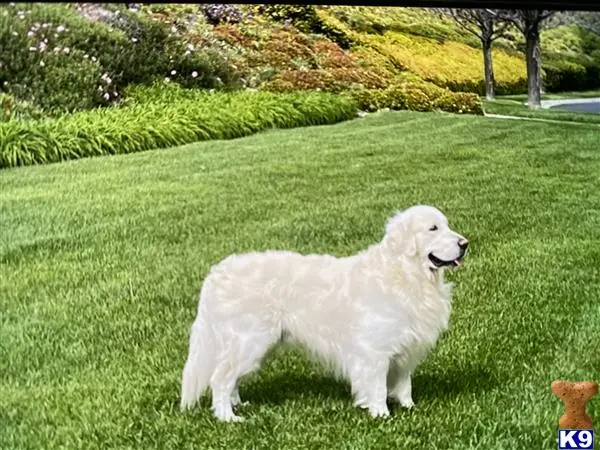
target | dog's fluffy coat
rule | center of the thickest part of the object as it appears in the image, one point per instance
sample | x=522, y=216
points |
x=372, y=316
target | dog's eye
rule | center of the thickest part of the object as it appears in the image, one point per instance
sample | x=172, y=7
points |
x=433, y=228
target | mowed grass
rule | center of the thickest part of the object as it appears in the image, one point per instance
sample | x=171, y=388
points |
x=102, y=261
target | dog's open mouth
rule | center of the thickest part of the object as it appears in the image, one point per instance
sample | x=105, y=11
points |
x=437, y=262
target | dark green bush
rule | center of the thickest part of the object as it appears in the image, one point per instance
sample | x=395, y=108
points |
x=195, y=116
x=35, y=70
x=53, y=56
x=570, y=74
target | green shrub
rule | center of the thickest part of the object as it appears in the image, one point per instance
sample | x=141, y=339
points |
x=34, y=70
x=197, y=116
x=417, y=97
x=570, y=74
x=53, y=56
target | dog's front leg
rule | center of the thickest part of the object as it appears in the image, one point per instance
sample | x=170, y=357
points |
x=368, y=381
x=400, y=385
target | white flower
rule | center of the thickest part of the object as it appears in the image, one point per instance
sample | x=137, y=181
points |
x=29, y=33
x=134, y=40
x=44, y=25
x=46, y=41
x=190, y=47
x=94, y=58
x=187, y=52
x=60, y=29
x=106, y=96
x=57, y=49
x=32, y=49
x=194, y=74
x=173, y=29
x=116, y=94
x=14, y=33
x=86, y=56
x=42, y=63
x=167, y=79
x=173, y=72
x=67, y=50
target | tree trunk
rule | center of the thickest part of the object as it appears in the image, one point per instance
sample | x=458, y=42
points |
x=533, y=66
x=488, y=67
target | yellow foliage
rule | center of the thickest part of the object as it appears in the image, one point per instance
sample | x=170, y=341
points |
x=449, y=64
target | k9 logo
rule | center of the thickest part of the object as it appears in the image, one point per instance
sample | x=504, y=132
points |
x=575, y=439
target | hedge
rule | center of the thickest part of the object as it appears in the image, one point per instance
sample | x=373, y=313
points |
x=417, y=97
x=142, y=126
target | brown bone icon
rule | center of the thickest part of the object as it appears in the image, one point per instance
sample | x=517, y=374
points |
x=574, y=396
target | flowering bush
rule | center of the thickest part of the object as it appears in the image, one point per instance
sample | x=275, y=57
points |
x=60, y=59
x=219, y=13
x=35, y=68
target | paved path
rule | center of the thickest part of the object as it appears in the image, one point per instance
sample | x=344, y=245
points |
x=588, y=105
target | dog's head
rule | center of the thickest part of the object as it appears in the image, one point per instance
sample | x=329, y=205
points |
x=423, y=232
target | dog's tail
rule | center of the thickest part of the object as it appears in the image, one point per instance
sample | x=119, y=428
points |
x=200, y=364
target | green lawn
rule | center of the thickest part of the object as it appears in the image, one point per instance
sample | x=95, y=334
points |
x=516, y=108
x=102, y=261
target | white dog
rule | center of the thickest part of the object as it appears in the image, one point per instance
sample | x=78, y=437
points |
x=371, y=316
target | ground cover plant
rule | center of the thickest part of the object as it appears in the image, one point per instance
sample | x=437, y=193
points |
x=164, y=114
x=102, y=260
x=158, y=118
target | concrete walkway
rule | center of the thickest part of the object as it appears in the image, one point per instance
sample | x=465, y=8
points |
x=578, y=104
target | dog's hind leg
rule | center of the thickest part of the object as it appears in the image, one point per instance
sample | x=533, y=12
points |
x=399, y=384
x=241, y=355
x=368, y=380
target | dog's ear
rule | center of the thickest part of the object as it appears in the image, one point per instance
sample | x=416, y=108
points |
x=399, y=235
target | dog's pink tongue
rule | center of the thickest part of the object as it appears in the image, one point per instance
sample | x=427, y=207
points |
x=456, y=262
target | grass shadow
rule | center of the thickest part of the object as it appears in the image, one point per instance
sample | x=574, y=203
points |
x=453, y=382
x=277, y=389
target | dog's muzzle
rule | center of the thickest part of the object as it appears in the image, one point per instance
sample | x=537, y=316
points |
x=437, y=262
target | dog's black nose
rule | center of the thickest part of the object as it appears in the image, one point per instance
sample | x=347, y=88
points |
x=463, y=244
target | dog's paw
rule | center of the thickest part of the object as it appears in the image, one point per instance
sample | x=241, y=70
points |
x=230, y=418
x=379, y=411
x=408, y=403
